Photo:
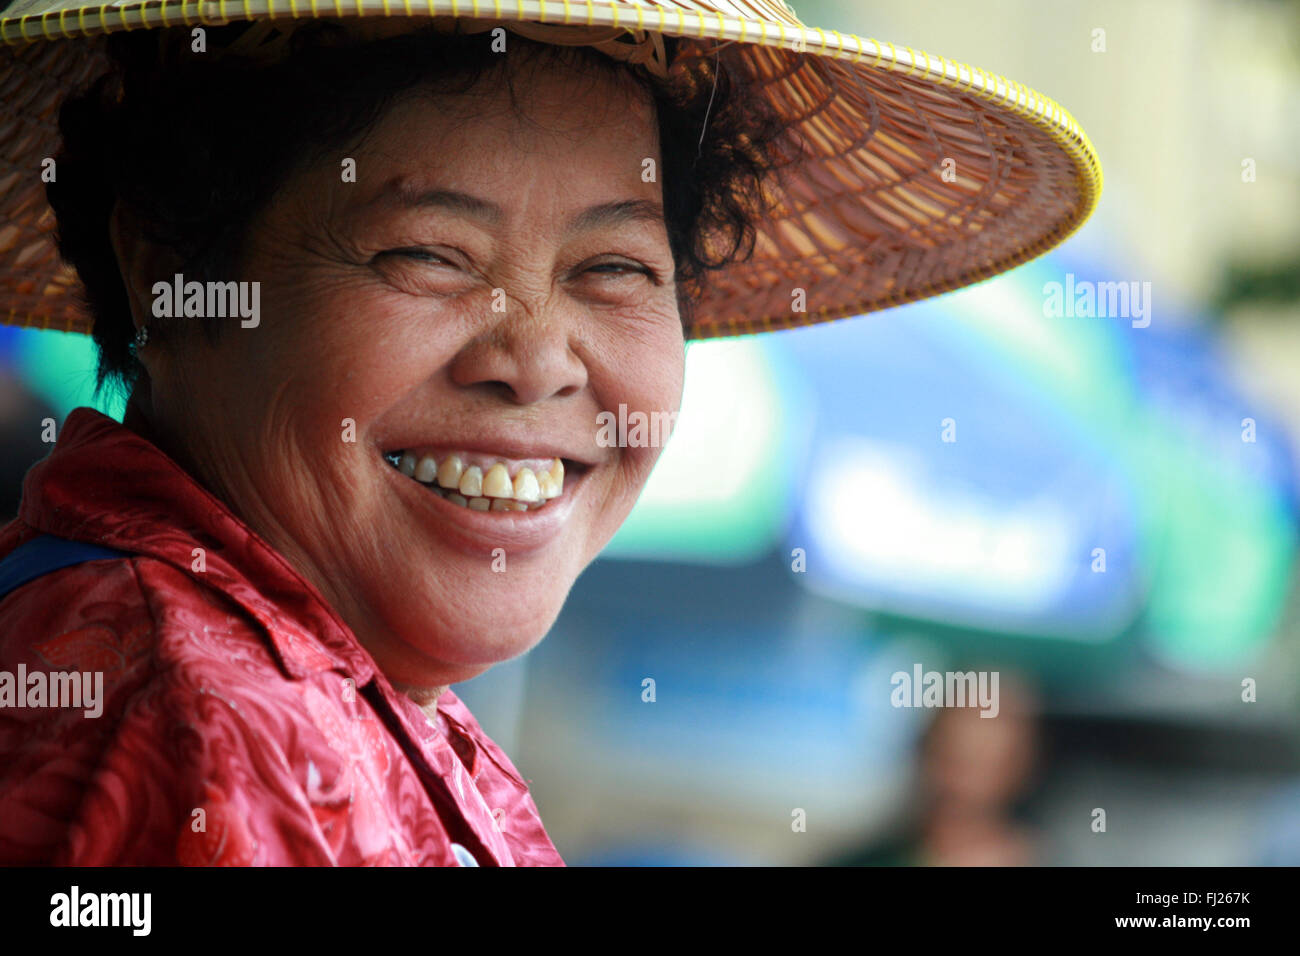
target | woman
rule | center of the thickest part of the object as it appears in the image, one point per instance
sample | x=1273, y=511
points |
x=370, y=285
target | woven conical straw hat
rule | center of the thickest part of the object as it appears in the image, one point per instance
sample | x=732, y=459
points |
x=866, y=217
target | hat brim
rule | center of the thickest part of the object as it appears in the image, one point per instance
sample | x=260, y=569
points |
x=919, y=175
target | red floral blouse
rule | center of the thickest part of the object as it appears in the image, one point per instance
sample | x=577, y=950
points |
x=242, y=722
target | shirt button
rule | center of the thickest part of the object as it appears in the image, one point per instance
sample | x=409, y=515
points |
x=463, y=856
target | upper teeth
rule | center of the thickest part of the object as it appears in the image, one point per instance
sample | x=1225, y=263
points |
x=491, y=479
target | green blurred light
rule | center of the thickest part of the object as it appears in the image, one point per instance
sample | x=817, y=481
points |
x=1222, y=565
x=60, y=366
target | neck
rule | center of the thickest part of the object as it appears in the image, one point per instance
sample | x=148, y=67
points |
x=426, y=698
x=137, y=413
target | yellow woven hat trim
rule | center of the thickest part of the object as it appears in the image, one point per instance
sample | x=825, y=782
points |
x=919, y=174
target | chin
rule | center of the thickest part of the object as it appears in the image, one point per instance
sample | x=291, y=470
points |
x=475, y=642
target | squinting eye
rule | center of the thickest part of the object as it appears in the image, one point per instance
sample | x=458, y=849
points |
x=624, y=267
x=419, y=271
x=419, y=255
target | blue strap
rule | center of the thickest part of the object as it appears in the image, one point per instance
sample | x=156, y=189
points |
x=46, y=553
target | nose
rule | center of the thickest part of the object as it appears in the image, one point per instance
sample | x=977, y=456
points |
x=527, y=355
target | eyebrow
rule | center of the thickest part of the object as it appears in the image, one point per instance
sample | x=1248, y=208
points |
x=604, y=214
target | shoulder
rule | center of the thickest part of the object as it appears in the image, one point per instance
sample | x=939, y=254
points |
x=168, y=671
x=128, y=618
x=76, y=645
x=90, y=616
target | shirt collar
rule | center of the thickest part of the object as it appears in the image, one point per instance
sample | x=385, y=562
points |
x=107, y=485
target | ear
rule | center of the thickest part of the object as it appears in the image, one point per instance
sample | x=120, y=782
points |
x=141, y=262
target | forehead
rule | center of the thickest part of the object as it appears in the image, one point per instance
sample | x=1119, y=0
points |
x=548, y=120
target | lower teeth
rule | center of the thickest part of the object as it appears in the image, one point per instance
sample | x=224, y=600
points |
x=483, y=504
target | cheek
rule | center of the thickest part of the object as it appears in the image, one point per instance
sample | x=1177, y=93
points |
x=646, y=382
x=653, y=377
x=354, y=353
x=638, y=356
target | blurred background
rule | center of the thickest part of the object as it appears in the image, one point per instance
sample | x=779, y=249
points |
x=1103, y=515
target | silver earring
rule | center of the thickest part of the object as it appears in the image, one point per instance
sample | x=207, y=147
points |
x=141, y=337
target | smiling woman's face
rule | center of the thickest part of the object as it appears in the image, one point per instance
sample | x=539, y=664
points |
x=497, y=275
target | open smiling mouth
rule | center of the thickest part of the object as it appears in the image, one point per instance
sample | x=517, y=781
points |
x=486, y=483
